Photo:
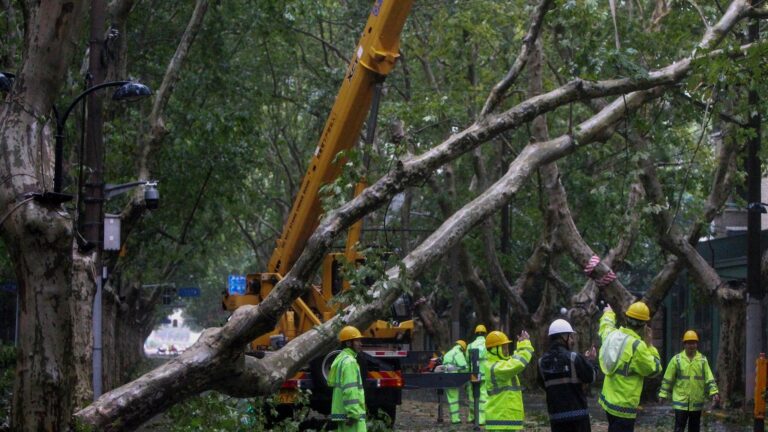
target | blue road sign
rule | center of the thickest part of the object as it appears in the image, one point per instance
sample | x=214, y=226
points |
x=189, y=292
x=10, y=287
x=236, y=285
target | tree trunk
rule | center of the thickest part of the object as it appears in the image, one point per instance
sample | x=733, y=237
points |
x=44, y=388
x=730, y=373
x=83, y=290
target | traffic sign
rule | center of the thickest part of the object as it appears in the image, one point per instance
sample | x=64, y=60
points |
x=189, y=292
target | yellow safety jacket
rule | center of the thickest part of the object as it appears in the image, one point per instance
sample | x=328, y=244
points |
x=482, y=352
x=504, y=409
x=690, y=380
x=348, y=397
x=455, y=358
x=626, y=360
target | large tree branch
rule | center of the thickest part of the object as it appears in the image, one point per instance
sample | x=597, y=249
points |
x=134, y=210
x=500, y=89
x=473, y=284
x=669, y=236
x=163, y=94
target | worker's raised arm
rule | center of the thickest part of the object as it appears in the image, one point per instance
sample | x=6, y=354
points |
x=607, y=322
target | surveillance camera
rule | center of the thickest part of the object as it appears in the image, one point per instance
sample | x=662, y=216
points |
x=151, y=195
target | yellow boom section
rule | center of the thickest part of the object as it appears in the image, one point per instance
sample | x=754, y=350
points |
x=373, y=59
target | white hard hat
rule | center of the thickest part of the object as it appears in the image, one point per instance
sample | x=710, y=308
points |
x=560, y=326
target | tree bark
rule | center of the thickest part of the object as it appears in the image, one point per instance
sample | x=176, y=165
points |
x=38, y=236
x=730, y=373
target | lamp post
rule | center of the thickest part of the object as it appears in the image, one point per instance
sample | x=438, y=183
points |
x=129, y=90
x=151, y=197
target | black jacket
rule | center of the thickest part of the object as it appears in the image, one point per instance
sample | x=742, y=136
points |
x=562, y=373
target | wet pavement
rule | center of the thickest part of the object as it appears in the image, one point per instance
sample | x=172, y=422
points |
x=418, y=412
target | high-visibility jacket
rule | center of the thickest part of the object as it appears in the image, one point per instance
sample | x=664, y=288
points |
x=482, y=355
x=690, y=381
x=348, y=397
x=455, y=360
x=623, y=384
x=504, y=409
x=479, y=345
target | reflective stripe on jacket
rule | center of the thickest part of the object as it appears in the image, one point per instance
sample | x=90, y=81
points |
x=455, y=358
x=348, y=396
x=504, y=410
x=620, y=395
x=690, y=381
x=562, y=373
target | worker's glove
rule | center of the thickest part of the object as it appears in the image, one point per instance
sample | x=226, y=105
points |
x=351, y=421
x=715, y=400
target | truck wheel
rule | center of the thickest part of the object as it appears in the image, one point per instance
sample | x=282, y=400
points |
x=321, y=366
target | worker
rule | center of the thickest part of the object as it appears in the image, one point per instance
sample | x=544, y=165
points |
x=482, y=355
x=562, y=373
x=626, y=359
x=348, y=403
x=504, y=410
x=690, y=380
x=455, y=361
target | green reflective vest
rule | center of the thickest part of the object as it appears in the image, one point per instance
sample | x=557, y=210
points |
x=690, y=380
x=504, y=409
x=482, y=352
x=623, y=384
x=455, y=358
x=348, y=397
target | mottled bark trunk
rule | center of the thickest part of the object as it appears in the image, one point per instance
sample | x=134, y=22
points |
x=38, y=235
x=83, y=291
x=730, y=373
x=44, y=388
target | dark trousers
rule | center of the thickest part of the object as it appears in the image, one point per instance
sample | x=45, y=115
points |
x=581, y=425
x=693, y=418
x=620, y=424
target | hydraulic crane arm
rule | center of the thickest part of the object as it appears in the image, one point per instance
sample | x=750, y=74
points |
x=372, y=61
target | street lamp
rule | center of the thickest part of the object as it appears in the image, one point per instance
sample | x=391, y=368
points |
x=129, y=90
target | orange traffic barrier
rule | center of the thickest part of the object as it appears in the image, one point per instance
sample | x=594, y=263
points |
x=761, y=376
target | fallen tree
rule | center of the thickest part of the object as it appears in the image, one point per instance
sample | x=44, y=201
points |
x=217, y=362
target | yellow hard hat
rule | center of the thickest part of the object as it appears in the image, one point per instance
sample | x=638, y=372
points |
x=349, y=333
x=690, y=335
x=462, y=344
x=496, y=338
x=480, y=329
x=639, y=311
